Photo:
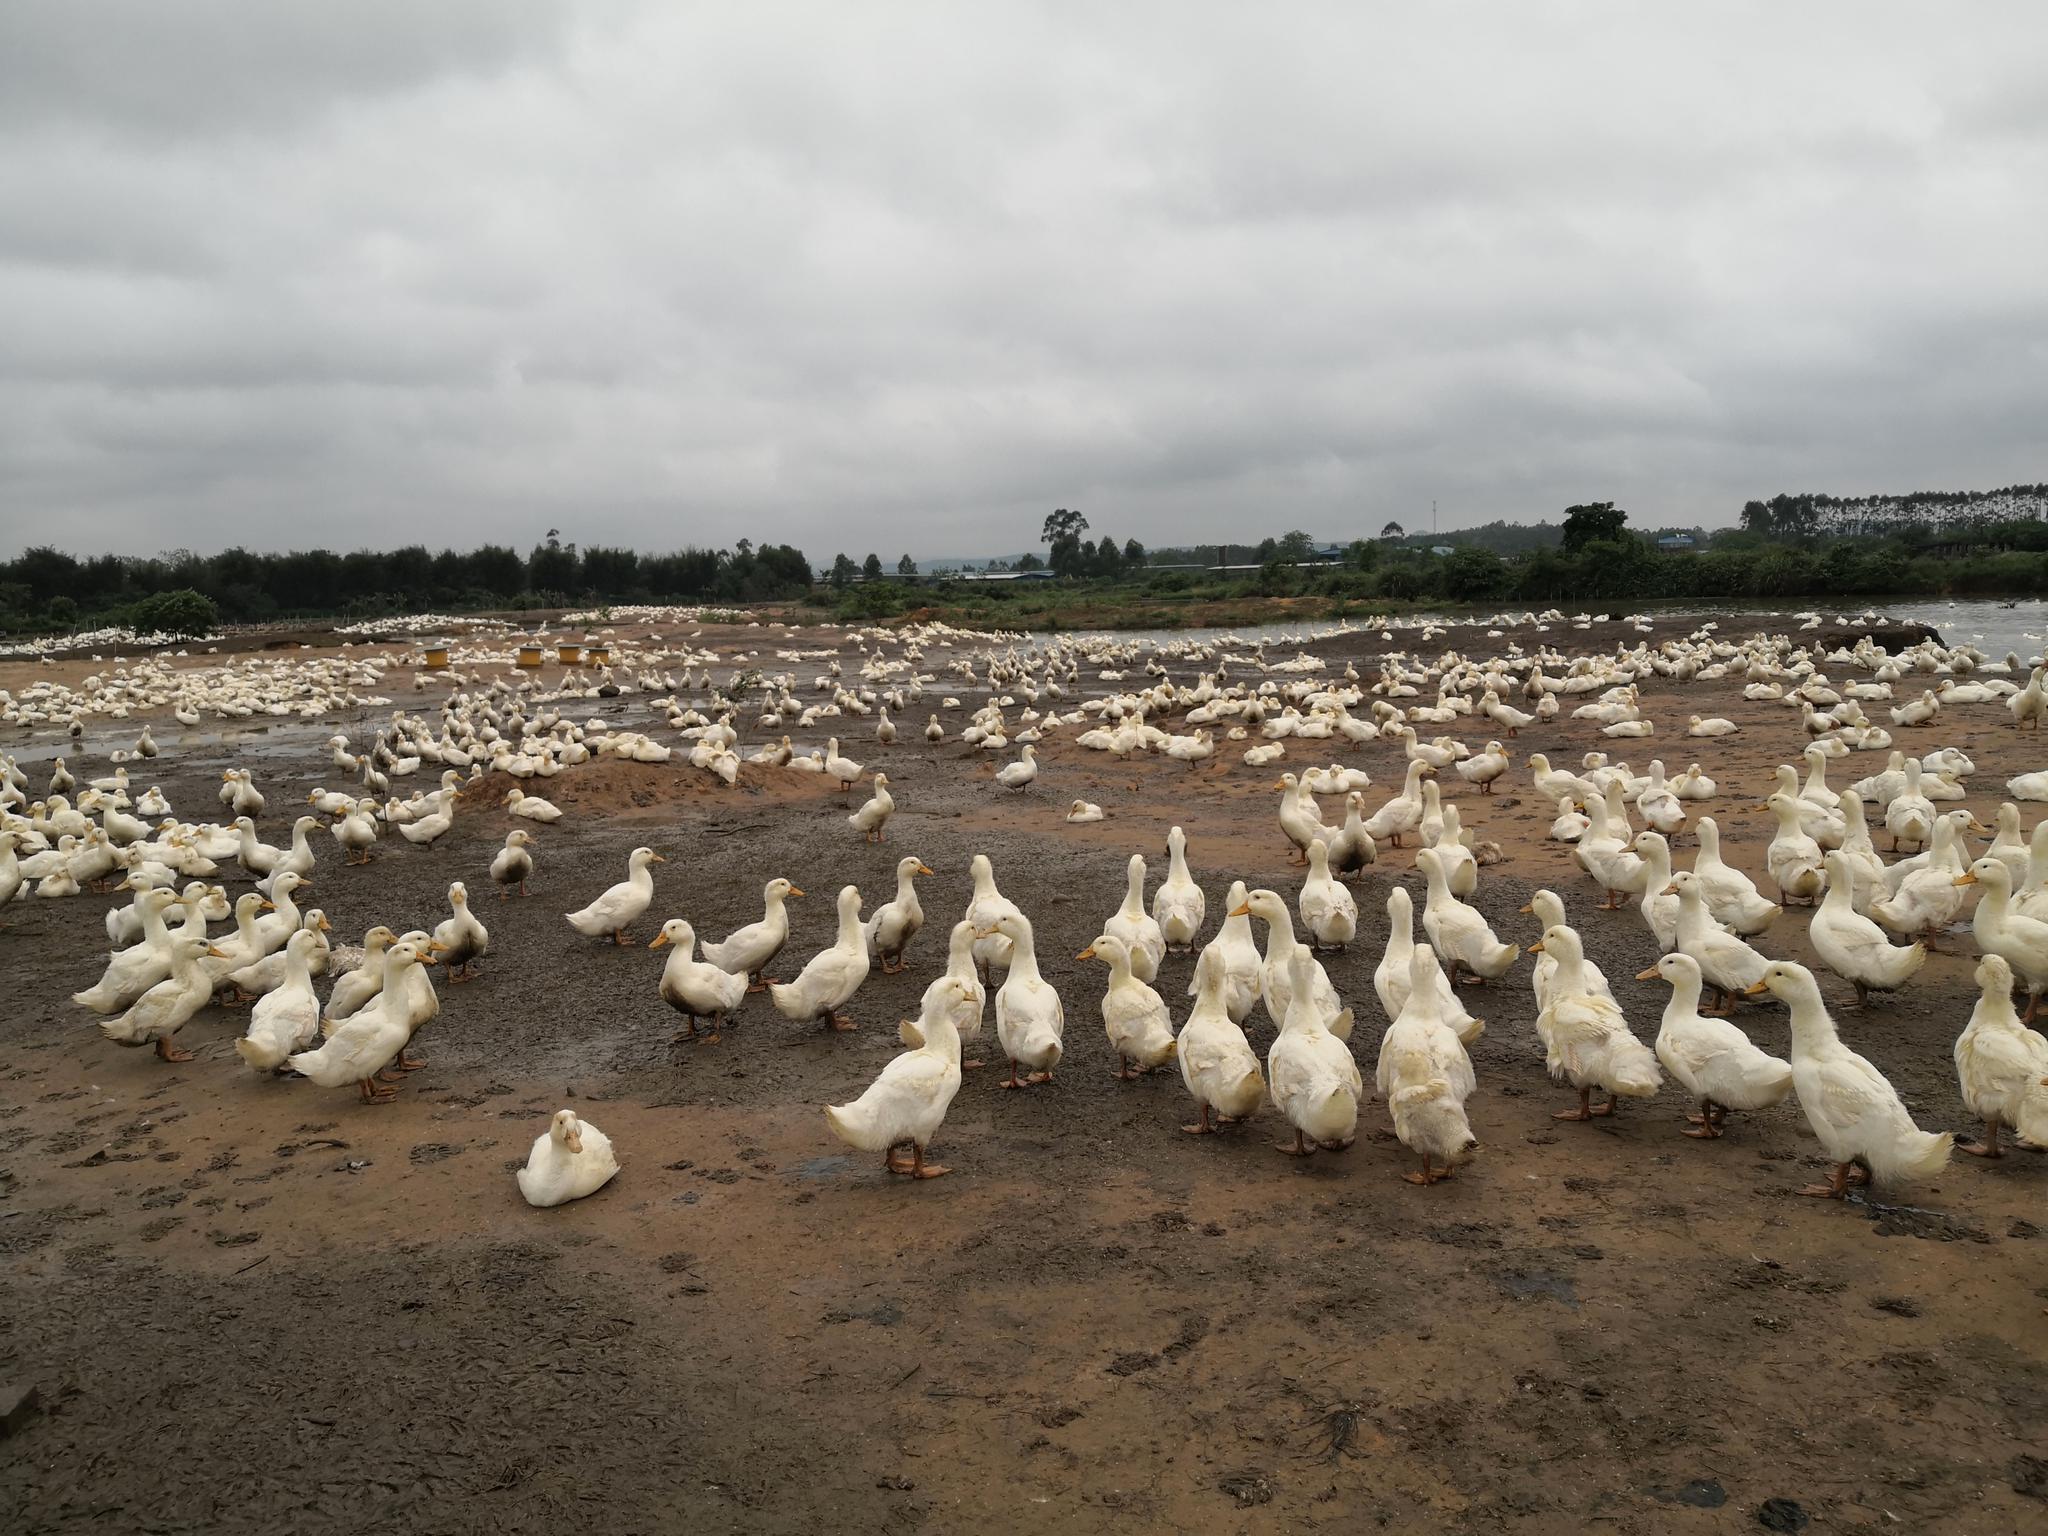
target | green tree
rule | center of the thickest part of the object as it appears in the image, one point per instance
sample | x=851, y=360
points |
x=843, y=569
x=1065, y=551
x=1393, y=530
x=185, y=613
x=1295, y=547
x=1062, y=524
x=1029, y=562
x=1362, y=555
x=872, y=567
x=1108, y=559
x=1134, y=553
x=905, y=566
x=1473, y=575
x=1591, y=521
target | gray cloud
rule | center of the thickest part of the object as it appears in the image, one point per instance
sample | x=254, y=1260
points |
x=907, y=277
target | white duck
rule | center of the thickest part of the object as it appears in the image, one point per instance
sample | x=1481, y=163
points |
x=1589, y=1043
x=1403, y=813
x=374, y=1036
x=907, y=1102
x=572, y=1159
x=1391, y=977
x=1712, y=1059
x=1139, y=930
x=1549, y=910
x=513, y=864
x=897, y=921
x=2001, y=1065
x=1242, y=965
x=1459, y=933
x=1793, y=859
x=1178, y=906
x=168, y=1006
x=1910, y=815
x=621, y=906
x=356, y=987
x=872, y=819
x=532, y=807
x=1315, y=1080
x=1855, y=1113
x=1030, y=1021
x=747, y=951
x=984, y=909
x=694, y=988
x=1854, y=947
x=1019, y=775
x=1216, y=1061
x=134, y=970
x=1328, y=910
x=1133, y=1015
x=1731, y=896
x=286, y=1018
x=2021, y=940
x=1425, y=1076
x=461, y=940
x=1728, y=964
x=972, y=997
x=824, y=986
x=1277, y=971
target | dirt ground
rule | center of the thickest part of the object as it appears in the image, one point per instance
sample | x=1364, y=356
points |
x=251, y=1304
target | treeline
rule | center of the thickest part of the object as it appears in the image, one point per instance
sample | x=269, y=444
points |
x=1927, y=514
x=45, y=588
x=1627, y=568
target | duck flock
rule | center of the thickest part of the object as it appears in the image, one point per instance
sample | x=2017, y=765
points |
x=180, y=945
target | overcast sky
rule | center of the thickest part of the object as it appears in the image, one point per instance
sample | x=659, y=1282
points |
x=869, y=276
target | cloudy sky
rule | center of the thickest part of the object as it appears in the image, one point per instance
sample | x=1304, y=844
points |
x=906, y=277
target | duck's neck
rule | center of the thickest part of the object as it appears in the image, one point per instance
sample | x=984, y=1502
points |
x=1685, y=995
x=1024, y=956
x=1134, y=894
x=1280, y=941
x=298, y=969
x=153, y=930
x=1812, y=1029
x=1177, y=857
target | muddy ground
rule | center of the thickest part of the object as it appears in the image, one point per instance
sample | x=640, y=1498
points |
x=252, y=1304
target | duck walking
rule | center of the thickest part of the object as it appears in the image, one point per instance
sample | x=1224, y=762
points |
x=1856, y=1114
x=694, y=988
x=826, y=985
x=907, y=1102
x=1712, y=1059
x=621, y=906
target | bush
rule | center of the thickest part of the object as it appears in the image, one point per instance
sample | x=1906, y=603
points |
x=184, y=613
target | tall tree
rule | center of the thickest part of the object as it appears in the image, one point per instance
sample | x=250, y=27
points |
x=1134, y=553
x=843, y=569
x=1592, y=521
x=1062, y=524
x=905, y=566
x=872, y=567
x=1393, y=530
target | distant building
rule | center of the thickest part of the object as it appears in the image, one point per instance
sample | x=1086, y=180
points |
x=1676, y=541
x=1000, y=575
x=1441, y=549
